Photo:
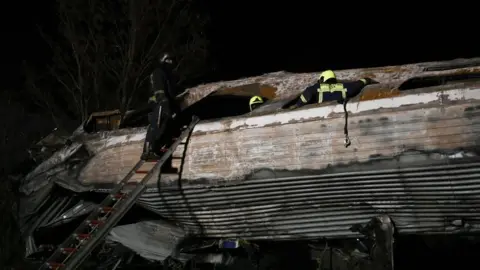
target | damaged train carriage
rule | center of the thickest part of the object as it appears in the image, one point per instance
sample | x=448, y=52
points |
x=285, y=174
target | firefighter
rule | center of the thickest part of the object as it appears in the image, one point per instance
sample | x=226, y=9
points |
x=255, y=102
x=162, y=105
x=328, y=89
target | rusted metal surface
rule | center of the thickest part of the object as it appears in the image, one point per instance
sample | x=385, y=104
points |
x=288, y=84
x=266, y=91
x=378, y=93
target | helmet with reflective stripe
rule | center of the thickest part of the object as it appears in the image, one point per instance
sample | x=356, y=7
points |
x=326, y=75
x=255, y=100
x=166, y=58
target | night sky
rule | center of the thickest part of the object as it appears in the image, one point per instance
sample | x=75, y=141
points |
x=255, y=37
x=296, y=36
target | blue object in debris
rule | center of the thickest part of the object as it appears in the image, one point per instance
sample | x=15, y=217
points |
x=229, y=244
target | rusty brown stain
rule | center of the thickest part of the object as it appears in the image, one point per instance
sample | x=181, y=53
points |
x=253, y=89
x=268, y=91
x=372, y=94
x=239, y=90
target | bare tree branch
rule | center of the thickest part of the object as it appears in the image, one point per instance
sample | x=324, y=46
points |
x=107, y=48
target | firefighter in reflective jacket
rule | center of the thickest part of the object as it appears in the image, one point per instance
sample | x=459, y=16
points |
x=255, y=102
x=328, y=89
x=162, y=106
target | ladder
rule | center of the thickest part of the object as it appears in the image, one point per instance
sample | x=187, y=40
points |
x=78, y=246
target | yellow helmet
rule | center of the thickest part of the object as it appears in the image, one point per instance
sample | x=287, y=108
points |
x=327, y=74
x=255, y=100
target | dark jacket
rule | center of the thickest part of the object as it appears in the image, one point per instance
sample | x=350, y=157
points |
x=311, y=94
x=162, y=80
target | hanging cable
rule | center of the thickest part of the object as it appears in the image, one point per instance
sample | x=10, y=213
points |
x=345, y=128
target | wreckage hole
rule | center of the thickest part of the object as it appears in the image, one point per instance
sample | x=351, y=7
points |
x=429, y=81
x=219, y=106
x=214, y=106
x=231, y=101
x=227, y=102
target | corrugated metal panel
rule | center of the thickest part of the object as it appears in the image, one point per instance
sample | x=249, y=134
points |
x=434, y=199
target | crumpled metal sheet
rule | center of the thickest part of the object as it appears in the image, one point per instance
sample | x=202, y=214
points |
x=29, y=207
x=54, y=210
x=39, y=177
x=79, y=209
x=153, y=240
x=30, y=246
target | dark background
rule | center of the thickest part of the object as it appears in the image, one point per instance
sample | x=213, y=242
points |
x=255, y=37
x=306, y=36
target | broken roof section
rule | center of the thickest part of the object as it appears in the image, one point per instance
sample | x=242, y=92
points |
x=284, y=86
x=48, y=145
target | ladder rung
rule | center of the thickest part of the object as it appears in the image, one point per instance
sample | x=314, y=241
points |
x=142, y=171
x=68, y=250
x=131, y=183
x=117, y=195
x=54, y=265
x=106, y=209
x=82, y=236
x=95, y=222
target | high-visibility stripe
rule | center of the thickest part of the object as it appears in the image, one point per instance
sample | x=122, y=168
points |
x=331, y=87
x=304, y=100
x=154, y=97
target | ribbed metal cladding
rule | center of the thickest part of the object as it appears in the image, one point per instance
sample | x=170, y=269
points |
x=435, y=199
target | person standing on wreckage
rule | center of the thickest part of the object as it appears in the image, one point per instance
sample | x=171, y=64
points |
x=163, y=107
